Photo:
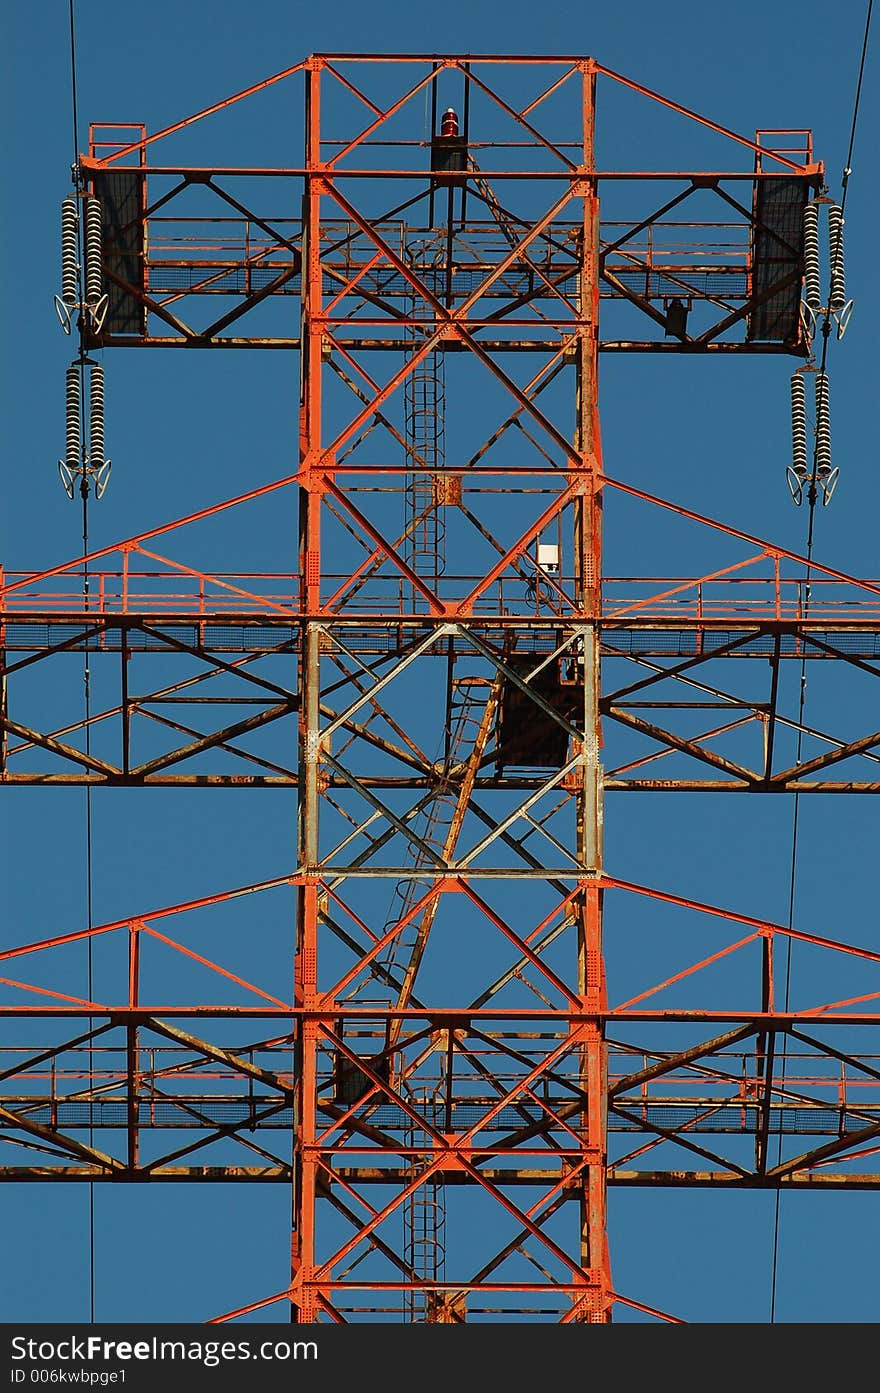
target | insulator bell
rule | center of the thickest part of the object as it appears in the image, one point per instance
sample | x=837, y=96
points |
x=69, y=221
x=826, y=476
x=66, y=302
x=72, y=464
x=797, y=472
x=837, y=298
x=838, y=304
x=96, y=300
x=99, y=466
x=90, y=466
x=73, y=418
x=812, y=291
x=96, y=417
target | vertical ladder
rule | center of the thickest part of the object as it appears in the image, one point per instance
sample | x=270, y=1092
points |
x=425, y=404
x=472, y=710
x=424, y=1215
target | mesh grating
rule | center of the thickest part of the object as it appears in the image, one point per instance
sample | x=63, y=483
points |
x=215, y=1112
x=777, y=257
x=729, y=284
x=30, y=637
x=122, y=195
x=239, y=279
x=234, y=638
x=683, y=643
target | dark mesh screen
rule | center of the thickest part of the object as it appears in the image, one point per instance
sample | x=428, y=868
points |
x=121, y=192
x=778, y=257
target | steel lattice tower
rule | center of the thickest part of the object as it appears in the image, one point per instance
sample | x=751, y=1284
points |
x=456, y=1062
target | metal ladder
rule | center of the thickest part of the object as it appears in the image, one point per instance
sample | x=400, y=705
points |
x=472, y=709
x=425, y=404
x=424, y=1215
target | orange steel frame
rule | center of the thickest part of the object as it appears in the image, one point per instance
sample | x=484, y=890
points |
x=313, y=1289
x=562, y=1069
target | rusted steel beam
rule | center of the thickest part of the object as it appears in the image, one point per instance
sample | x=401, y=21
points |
x=353, y=1175
x=498, y=346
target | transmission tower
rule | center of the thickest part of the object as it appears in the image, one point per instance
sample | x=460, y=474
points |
x=449, y=682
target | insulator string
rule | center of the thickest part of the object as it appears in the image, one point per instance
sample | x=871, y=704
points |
x=94, y=276
x=812, y=287
x=79, y=369
x=837, y=296
x=69, y=252
x=821, y=462
x=823, y=427
x=73, y=417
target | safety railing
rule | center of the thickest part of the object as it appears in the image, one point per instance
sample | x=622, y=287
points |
x=176, y=1073
x=181, y=591
x=736, y=598
x=658, y=254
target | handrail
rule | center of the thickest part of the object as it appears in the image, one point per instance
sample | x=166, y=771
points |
x=181, y=591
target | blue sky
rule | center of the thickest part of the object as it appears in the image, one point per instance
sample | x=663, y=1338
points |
x=709, y=433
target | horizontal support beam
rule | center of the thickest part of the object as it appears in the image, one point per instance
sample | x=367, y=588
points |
x=809, y=1118
x=371, y=1175
x=133, y=1176
x=249, y=781
x=459, y=1016
x=202, y=173
x=736, y=786
x=731, y=1180
x=399, y=345
x=816, y=627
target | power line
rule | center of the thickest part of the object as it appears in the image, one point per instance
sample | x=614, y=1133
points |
x=84, y=494
x=812, y=495
x=847, y=169
x=792, y=885
x=73, y=90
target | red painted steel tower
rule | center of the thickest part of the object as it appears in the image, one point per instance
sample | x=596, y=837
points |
x=454, y=1083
